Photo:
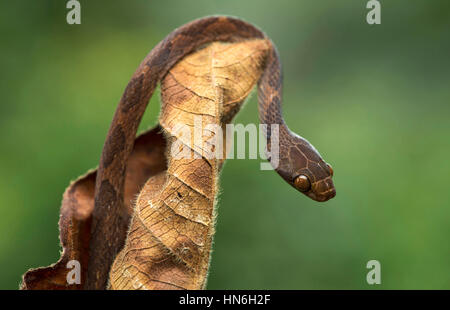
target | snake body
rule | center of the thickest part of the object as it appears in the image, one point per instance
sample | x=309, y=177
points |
x=300, y=164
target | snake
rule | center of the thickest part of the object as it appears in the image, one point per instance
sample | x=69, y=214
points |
x=300, y=164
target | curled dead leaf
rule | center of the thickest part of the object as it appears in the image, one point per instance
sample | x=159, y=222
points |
x=146, y=160
x=169, y=241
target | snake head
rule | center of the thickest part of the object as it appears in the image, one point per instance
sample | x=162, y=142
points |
x=318, y=187
x=307, y=172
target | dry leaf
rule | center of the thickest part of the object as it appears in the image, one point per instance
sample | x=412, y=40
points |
x=169, y=241
x=146, y=160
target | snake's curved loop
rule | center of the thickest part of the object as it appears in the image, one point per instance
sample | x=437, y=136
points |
x=299, y=163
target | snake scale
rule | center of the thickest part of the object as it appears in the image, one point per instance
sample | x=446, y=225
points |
x=300, y=164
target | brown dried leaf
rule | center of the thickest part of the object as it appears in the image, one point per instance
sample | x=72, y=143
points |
x=169, y=241
x=146, y=160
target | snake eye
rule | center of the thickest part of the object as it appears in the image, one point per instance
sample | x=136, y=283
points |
x=331, y=169
x=302, y=183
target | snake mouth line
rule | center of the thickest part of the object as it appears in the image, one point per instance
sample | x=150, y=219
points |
x=323, y=196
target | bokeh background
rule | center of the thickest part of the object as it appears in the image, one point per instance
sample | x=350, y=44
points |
x=374, y=99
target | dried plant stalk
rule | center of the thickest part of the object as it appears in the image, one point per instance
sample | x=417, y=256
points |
x=169, y=240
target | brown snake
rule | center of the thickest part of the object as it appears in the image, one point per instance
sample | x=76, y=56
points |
x=299, y=163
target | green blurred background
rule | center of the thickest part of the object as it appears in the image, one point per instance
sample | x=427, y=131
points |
x=374, y=99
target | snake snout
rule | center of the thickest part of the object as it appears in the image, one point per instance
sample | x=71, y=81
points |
x=323, y=196
x=328, y=195
x=323, y=190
